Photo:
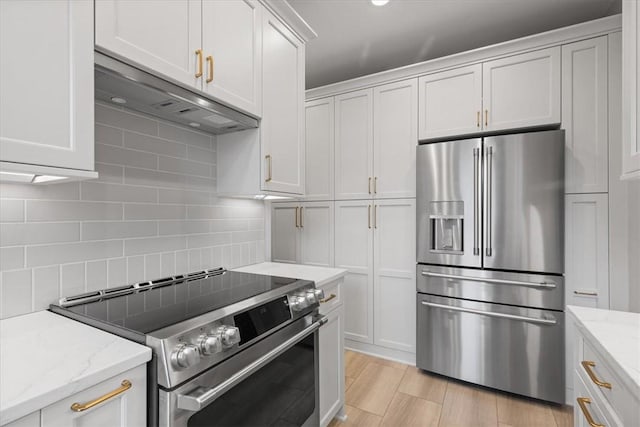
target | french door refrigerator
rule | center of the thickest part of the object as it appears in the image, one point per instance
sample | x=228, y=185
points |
x=490, y=253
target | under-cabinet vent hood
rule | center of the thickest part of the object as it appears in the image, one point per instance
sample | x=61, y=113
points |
x=117, y=82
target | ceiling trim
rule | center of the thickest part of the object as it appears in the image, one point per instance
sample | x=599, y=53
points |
x=564, y=35
x=284, y=10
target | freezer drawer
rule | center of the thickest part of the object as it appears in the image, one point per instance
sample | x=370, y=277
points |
x=529, y=290
x=514, y=349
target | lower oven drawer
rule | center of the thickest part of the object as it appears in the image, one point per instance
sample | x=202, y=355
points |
x=516, y=349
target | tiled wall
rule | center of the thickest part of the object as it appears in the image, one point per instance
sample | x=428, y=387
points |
x=152, y=213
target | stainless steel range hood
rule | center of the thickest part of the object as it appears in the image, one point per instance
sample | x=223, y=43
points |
x=152, y=95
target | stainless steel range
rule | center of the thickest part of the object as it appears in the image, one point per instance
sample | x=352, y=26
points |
x=490, y=220
x=229, y=348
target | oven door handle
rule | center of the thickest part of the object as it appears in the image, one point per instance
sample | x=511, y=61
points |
x=201, y=397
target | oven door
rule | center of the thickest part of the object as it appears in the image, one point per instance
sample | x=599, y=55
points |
x=273, y=382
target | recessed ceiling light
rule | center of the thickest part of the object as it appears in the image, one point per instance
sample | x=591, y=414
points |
x=194, y=125
x=379, y=2
x=118, y=100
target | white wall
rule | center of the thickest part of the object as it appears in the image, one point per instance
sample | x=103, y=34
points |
x=152, y=213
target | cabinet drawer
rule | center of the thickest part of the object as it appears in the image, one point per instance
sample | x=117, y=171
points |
x=592, y=408
x=332, y=296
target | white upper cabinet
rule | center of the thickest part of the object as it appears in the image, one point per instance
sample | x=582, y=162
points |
x=631, y=89
x=282, y=128
x=585, y=115
x=522, y=91
x=354, y=145
x=395, y=137
x=46, y=82
x=159, y=35
x=450, y=102
x=319, y=149
x=232, y=45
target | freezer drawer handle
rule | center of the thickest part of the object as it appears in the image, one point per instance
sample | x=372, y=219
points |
x=202, y=397
x=545, y=285
x=491, y=313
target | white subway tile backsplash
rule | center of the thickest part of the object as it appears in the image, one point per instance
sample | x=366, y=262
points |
x=13, y=234
x=16, y=293
x=153, y=212
x=39, y=210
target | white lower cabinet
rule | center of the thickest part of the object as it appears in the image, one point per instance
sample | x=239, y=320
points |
x=331, y=360
x=375, y=242
x=120, y=401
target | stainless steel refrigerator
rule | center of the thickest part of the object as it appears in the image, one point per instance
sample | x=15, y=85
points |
x=490, y=253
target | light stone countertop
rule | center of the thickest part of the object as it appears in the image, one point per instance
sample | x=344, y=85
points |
x=616, y=335
x=45, y=357
x=320, y=275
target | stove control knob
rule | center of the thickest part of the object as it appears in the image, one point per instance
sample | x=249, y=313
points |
x=298, y=303
x=311, y=297
x=229, y=335
x=185, y=356
x=210, y=344
x=319, y=293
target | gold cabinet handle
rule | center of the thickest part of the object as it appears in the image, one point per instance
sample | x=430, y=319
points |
x=486, y=117
x=199, y=59
x=210, y=68
x=375, y=185
x=297, y=226
x=582, y=402
x=369, y=216
x=301, y=217
x=369, y=185
x=375, y=216
x=269, y=176
x=80, y=407
x=587, y=365
x=478, y=119
x=327, y=299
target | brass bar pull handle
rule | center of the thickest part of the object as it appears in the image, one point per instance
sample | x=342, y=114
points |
x=210, y=67
x=478, y=119
x=199, y=58
x=582, y=402
x=327, y=299
x=301, y=217
x=297, y=225
x=369, y=185
x=589, y=294
x=269, y=176
x=587, y=365
x=375, y=216
x=80, y=407
x=486, y=118
x=375, y=185
x=369, y=216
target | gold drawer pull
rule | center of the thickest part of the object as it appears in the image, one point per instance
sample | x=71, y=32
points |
x=327, y=299
x=587, y=365
x=582, y=402
x=80, y=407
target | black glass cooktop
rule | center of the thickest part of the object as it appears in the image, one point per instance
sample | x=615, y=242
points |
x=153, y=309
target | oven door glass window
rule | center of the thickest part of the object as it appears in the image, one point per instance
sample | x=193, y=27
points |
x=282, y=393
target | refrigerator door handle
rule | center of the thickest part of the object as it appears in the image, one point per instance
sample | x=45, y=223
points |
x=491, y=313
x=546, y=285
x=476, y=200
x=489, y=183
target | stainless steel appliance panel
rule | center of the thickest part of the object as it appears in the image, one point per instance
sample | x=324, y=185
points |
x=448, y=203
x=524, y=202
x=515, y=349
x=502, y=287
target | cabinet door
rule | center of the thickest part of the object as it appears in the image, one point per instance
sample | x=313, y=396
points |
x=46, y=82
x=354, y=252
x=285, y=235
x=354, y=145
x=282, y=125
x=31, y=420
x=159, y=35
x=522, y=90
x=232, y=38
x=394, y=276
x=395, y=138
x=128, y=408
x=450, y=102
x=331, y=367
x=631, y=89
x=585, y=115
x=587, y=250
x=319, y=149
x=316, y=226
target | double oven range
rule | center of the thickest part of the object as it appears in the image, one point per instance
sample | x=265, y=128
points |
x=229, y=348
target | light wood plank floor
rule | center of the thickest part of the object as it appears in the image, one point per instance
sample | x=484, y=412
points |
x=384, y=393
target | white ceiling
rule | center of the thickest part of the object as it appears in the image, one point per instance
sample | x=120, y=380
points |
x=356, y=38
